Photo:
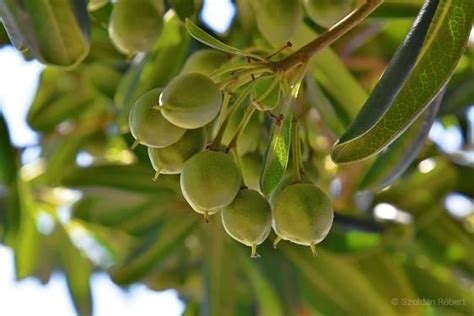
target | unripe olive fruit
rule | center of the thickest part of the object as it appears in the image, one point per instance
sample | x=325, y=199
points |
x=171, y=159
x=209, y=181
x=327, y=12
x=148, y=126
x=248, y=219
x=250, y=166
x=277, y=20
x=266, y=93
x=302, y=214
x=205, y=61
x=190, y=100
x=135, y=25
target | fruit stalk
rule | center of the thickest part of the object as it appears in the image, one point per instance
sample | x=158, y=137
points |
x=302, y=55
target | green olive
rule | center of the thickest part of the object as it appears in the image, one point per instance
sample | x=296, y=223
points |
x=277, y=20
x=250, y=165
x=209, y=181
x=248, y=219
x=190, y=100
x=171, y=159
x=266, y=93
x=135, y=25
x=205, y=61
x=148, y=126
x=302, y=214
x=327, y=12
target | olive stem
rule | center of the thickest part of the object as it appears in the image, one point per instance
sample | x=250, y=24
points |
x=296, y=149
x=220, y=133
x=155, y=177
x=303, y=54
x=276, y=241
x=135, y=144
x=253, y=252
x=313, y=250
x=240, y=128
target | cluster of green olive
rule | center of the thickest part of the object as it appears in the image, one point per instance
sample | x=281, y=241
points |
x=172, y=121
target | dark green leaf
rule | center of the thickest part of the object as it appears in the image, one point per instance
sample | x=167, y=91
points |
x=201, y=35
x=396, y=159
x=380, y=123
x=275, y=161
x=127, y=177
x=55, y=32
x=78, y=271
x=146, y=256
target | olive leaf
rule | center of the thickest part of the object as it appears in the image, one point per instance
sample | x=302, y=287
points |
x=401, y=153
x=158, y=247
x=338, y=281
x=55, y=32
x=318, y=100
x=128, y=177
x=275, y=160
x=401, y=96
x=202, y=36
x=78, y=271
x=267, y=297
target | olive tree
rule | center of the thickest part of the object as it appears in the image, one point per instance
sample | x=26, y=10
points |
x=283, y=167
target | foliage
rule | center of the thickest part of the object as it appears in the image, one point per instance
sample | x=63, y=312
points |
x=319, y=115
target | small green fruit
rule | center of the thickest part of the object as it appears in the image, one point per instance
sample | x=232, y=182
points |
x=277, y=20
x=266, y=93
x=190, y=100
x=171, y=159
x=303, y=214
x=248, y=219
x=327, y=12
x=250, y=165
x=136, y=24
x=205, y=61
x=148, y=126
x=209, y=181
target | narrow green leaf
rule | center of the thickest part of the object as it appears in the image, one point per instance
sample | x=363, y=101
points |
x=266, y=297
x=339, y=281
x=275, y=161
x=55, y=32
x=380, y=122
x=399, y=155
x=127, y=177
x=323, y=105
x=27, y=238
x=148, y=255
x=202, y=36
x=78, y=271
x=8, y=155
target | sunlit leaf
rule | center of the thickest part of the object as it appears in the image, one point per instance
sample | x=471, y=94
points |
x=380, y=122
x=277, y=153
x=55, y=32
x=210, y=41
x=400, y=154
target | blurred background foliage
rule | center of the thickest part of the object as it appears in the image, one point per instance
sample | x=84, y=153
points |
x=88, y=203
